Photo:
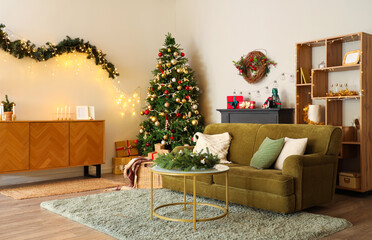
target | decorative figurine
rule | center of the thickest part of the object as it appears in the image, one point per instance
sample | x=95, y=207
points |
x=273, y=101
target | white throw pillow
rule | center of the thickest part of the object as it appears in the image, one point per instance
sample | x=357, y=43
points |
x=291, y=146
x=217, y=144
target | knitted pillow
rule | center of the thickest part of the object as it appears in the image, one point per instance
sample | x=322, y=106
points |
x=217, y=144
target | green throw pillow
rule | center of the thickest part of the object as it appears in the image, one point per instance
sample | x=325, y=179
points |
x=267, y=154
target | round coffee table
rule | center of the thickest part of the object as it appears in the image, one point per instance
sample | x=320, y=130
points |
x=218, y=169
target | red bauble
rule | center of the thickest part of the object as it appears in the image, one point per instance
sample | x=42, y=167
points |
x=182, y=54
x=187, y=97
x=240, y=70
x=166, y=92
x=152, y=89
x=147, y=144
x=146, y=112
x=172, y=130
x=179, y=81
x=187, y=88
x=178, y=115
x=160, y=54
x=135, y=141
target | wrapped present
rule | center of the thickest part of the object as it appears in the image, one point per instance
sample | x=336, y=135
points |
x=126, y=148
x=234, y=101
x=118, y=164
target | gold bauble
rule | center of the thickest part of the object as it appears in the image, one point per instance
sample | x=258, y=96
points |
x=141, y=113
x=179, y=87
x=163, y=142
x=185, y=71
x=168, y=64
x=184, y=117
x=166, y=104
x=174, y=61
x=178, y=100
x=157, y=66
x=160, y=62
x=163, y=75
x=153, y=95
x=179, y=70
x=152, y=99
x=159, y=87
x=165, y=137
x=161, y=114
x=169, y=50
x=175, y=54
x=154, y=119
x=141, y=130
x=157, y=123
x=183, y=100
x=194, y=122
x=149, y=107
x=196, y=112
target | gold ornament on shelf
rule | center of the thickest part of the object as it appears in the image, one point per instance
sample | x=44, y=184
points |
x=178, y=100
x=179, y=87
x=341, y=93
x=174, y=61
x=166, y=104
x=168, y=64
x=157, y=123
x=165, y=137
x=194, y=122
x=183, y=100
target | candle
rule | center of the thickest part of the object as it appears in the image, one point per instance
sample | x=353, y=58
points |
x=57, y=113
x=1, y=112
x=69, y=112
x=65, y=112
x=61, y=113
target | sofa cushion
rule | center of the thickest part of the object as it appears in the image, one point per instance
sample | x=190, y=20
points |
x=267, y=154
x=242, y=142
x=267, y=180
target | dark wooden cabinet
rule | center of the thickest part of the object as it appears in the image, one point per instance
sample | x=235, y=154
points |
x=284, y=115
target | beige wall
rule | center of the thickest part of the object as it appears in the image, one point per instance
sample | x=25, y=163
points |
x=130, y=32
x=215, y=32
x=212, y=32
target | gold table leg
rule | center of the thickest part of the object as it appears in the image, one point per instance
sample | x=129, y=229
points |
x=184, y=192
x=227, y=193
x=152, y=183
x=194, y=187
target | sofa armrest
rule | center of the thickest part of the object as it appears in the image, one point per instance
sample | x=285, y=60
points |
x=314, y=178
x=180, y=148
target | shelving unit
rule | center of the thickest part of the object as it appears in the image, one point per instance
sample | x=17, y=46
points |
x=356, y=150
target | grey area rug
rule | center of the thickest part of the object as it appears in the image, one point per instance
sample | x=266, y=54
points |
x=126, y=215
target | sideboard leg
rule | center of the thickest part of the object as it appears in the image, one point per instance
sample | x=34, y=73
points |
x=98, y=171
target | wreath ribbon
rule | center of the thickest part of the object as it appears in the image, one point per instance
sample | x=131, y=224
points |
x=234, y=103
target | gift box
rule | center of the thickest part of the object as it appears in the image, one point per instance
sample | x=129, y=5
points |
x=159, y=149
x=234, y=101
x=118, y=164
x=126, y=148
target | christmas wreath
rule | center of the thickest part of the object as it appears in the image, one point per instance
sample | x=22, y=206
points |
x=186, y=160
x=254, y=66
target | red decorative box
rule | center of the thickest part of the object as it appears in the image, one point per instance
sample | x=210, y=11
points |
x=233, y=102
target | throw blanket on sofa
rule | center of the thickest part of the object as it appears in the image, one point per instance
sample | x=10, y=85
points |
x=131, y=169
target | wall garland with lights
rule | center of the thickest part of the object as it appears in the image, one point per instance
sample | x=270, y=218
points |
x=21, y=49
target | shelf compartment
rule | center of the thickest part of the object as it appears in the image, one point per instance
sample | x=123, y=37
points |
x=339, y=68
x=303, y=98
x=333, y=112
x=320, y=83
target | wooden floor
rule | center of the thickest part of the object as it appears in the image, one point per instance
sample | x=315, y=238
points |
x=24, y=219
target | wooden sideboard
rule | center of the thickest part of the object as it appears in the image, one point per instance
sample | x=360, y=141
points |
x=284, y=115
x=38, y=145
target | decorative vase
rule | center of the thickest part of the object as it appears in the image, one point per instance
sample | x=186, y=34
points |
x=8, y=116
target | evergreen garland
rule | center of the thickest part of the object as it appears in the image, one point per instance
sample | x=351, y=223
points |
x=21, y=49
x=186, y=160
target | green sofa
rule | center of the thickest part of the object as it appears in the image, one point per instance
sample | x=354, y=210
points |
x=305, y=181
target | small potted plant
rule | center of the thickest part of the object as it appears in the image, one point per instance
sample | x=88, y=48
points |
x=8, y=108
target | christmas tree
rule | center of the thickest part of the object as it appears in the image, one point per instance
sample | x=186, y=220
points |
x=172, y=102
